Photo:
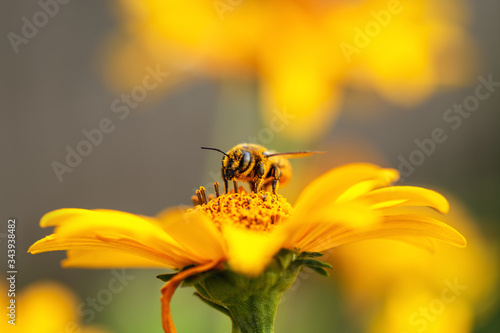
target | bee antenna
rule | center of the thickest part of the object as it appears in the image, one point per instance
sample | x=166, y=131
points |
x=220, y=151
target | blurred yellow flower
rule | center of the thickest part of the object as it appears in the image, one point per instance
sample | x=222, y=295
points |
x=245, y=230
x=303, y=53
x=410, y=290
x=44, y=307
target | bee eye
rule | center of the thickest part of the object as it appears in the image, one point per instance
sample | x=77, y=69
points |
x=245, y=161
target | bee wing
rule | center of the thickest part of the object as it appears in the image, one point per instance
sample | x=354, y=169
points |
x=296, y=154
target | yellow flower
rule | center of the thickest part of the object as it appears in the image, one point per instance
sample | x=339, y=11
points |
x=242, y=232
x=44, y=307
x=303, y=53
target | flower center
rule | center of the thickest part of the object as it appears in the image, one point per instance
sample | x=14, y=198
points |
x=257, y=211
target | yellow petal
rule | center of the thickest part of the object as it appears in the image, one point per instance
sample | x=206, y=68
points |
x=110, y=259
x=428, y=244
x=111, y=230
x=250, y=251
x=395, y=226
x=62, y=216
x=384, y=178
x=397, y=196
x=86, y=242
x=195, y=232
x=320, y=224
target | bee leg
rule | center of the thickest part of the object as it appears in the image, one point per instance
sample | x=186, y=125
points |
x=258, y=185
x=276, y=174
x=224, y=178
x=259, y=179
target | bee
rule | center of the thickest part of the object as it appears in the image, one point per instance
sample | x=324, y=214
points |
x=258, y=166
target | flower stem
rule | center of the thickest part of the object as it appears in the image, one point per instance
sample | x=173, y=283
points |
x=256, y=314
x=250, y=302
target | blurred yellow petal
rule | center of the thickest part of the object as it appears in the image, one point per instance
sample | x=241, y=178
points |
x=35, y=301
x=45, y=307
x=300, y=81
x=403, y=51
x=390, y=71
x=414, y=307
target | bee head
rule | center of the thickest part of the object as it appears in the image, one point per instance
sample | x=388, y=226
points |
x=234, y=162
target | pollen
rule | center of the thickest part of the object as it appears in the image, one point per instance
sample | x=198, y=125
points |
x=257, y=211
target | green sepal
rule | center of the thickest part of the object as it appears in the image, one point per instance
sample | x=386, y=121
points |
x=165, y=277
x=310, y=255
x=197, y=278
x=213, y=305
x=203, y=295
x=285, y=258
x=319, y=270
x=313, y=263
